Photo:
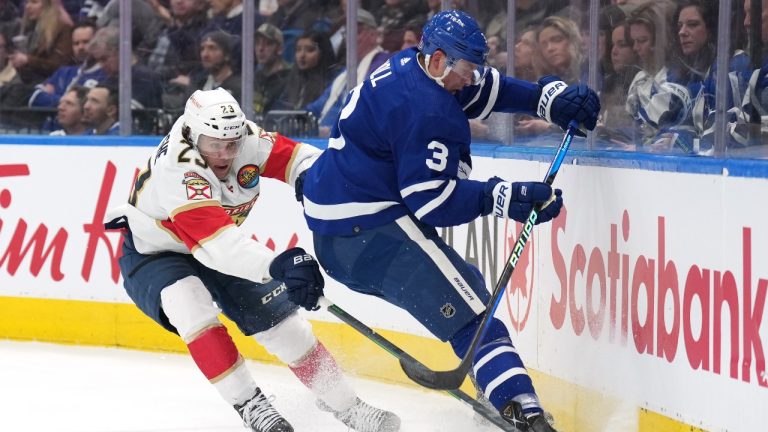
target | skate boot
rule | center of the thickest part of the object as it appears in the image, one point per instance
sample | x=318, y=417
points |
x=259, y=415
x=362, y=417
x=513, y=413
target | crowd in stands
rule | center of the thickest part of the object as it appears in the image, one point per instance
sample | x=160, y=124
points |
x=656, y=62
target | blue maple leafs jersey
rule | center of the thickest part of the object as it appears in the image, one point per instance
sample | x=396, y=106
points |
x=402, y=145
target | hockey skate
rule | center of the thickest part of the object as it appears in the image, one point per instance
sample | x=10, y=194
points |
x=259, y=415
x=362, y=417
x=513, y=413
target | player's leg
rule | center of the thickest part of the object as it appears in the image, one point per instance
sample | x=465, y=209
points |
x=265, y=312
x=409, y=265
x=166, y=288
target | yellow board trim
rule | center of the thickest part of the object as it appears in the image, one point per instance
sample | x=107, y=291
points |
x=123, y=325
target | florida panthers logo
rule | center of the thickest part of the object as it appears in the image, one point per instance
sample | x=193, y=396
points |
x=197, y=186
x=520, y=288
x=248, y=176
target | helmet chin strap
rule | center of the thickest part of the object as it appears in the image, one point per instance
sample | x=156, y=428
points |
x=425, y=68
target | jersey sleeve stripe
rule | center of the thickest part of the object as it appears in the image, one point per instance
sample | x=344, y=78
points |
x=477, y=95
x=280, y=157
x=418, y=187
x=344, y=211
x=428, y=207
x=192, y=206
x=492, y=96
x=201, y=224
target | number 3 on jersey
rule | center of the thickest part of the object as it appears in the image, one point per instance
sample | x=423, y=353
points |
x=439, y=159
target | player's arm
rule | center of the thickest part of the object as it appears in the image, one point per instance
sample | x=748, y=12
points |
x=549, y=98
x=429, y=163
x=287, y=158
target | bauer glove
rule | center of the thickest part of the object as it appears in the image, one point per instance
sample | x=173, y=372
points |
x=301, y=275
x=560, y=103
x=516, y=200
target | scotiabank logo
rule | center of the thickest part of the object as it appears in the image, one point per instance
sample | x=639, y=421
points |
x=703, y=314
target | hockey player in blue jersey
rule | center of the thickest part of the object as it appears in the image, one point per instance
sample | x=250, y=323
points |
x=397, y=166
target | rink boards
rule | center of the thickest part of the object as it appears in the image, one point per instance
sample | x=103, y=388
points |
x=645, y=299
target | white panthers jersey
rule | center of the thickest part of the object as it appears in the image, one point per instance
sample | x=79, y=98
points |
x=177, y=204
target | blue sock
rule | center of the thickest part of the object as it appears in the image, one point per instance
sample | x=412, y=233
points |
x=498, y=370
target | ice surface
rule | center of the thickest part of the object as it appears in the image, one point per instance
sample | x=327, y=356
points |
x=49, y=387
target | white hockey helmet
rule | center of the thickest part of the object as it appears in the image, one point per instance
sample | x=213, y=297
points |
x=215, y=114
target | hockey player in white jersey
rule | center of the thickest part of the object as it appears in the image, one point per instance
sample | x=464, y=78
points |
x=397, y=166
x=184, y=250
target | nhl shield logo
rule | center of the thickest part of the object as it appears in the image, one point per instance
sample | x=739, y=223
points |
x=448, y=310
x=520, y=293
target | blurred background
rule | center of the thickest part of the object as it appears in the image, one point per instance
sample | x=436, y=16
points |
x=675, y=76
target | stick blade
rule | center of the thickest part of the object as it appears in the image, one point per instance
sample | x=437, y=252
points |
x=436, y=380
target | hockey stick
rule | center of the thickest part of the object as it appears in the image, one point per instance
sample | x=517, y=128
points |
x=452, y=379
x=399, y=354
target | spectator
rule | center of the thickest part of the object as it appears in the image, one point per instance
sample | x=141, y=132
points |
x=7, y=71
x=560, y=49
x=694, y=67
x=217, y=70
x=146, y=88
x=311, y=73
x=525, y=49
x=294, y=15
x=9, y=20
x=272, y=71
x=145, y=22
x=45, y=40
x=370, y=56
x=649, y=99
x=412, y=33
x=559, y=54
x=100, y=111
x=753, y=118
x=69, y=115
x=393, y=16
x=227, y=15
x=615, y=124
x=177, y=51
x=496, y=45
x=86, y=72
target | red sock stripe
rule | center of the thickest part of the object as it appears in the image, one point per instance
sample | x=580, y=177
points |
x=214, y=352
x=318, y=364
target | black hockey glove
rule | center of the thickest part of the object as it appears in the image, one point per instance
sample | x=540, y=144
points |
x=516, y=200
x=116, y=224
x=301, y=275
x=298, y=187
x=560, y=103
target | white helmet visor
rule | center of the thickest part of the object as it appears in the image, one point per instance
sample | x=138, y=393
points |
x=469, y=71
x=218, y=148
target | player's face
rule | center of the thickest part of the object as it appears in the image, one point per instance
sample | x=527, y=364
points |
x=69, y=111
x=307, y=54
x=692, y=31
x=219, y=153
